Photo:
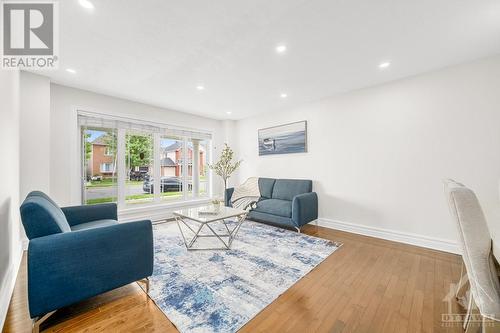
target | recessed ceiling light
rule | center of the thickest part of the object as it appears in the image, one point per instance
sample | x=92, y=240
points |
x=384, y=65
x=228, y=112
x=86, y=4
x=281, y=48
x=200, y=87
x=70, y=70
x=283, y=95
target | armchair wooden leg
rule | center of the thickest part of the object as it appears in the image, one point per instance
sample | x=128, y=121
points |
x=147, y=285
x=39, y=320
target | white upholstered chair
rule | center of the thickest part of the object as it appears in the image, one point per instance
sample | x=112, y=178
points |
x=475, y=243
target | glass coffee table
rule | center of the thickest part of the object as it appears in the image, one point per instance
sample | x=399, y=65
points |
x=193, y=221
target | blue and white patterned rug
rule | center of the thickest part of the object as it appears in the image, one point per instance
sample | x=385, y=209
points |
x=220, y=291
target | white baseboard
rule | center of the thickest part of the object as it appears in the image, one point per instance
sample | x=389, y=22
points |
x=7, y=287
x=392, y=235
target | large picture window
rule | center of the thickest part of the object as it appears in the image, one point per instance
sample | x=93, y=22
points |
x=126, y=162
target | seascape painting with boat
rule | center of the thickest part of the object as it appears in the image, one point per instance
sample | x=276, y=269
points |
x=284, y=139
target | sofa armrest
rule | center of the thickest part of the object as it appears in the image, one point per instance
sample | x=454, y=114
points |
x=304, y=208
x=69, y=267
x=88, y=213
x=227, y=197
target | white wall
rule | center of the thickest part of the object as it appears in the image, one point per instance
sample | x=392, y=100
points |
x=378, y=156
x=65, y=185
x=10, y=236
x=34, y=133
x=230, y=138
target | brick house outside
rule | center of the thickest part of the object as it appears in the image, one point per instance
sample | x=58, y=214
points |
x=102, y=159
x=171, y=160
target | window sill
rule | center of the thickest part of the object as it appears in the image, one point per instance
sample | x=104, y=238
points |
x=156, y=211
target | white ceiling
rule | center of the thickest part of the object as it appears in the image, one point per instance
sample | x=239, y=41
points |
x=158, y=52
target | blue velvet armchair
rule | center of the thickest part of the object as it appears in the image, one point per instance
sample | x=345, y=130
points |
x=78, y=252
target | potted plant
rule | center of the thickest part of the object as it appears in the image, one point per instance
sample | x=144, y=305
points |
x=225, y=166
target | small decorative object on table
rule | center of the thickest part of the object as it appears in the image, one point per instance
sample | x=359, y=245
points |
x=216, y=202
x=213, y=209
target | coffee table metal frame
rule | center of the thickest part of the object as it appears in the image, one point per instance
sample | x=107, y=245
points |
x=231, y=233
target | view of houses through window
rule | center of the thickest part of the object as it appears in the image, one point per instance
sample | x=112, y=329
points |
x=171, y=152
x=139, y=163
x=182, y=163
x=100, y=165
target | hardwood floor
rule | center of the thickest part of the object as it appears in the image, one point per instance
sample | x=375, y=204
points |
x=368, y=285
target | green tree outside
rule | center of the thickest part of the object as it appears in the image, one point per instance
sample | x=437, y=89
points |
x=139, y=150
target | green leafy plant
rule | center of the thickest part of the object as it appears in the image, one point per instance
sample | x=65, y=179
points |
x=225, y=166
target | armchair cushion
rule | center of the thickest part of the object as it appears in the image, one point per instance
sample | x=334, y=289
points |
x=83, y=214
x=93, y=224
x=42, y=217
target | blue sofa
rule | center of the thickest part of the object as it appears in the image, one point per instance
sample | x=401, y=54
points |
x=284, y=202
x=78, y=252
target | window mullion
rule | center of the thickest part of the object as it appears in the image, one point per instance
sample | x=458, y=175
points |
x=83, y=164
x=208, y=171
x=121, y=167
x=185, y=170
x=156, y=166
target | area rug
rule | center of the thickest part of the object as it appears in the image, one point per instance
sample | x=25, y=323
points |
x=221, y=290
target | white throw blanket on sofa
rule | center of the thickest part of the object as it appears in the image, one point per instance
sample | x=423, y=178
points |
x=246, y=195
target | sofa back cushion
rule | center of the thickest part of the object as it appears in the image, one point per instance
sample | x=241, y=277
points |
x=266, y=186
x=286, y=189
x=41, y=216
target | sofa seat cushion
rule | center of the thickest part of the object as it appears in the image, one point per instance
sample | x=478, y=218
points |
x=270, y=219
x=275, y=207
x=93, y=224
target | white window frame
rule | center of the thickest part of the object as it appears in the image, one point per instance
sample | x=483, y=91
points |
x=121, y=164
